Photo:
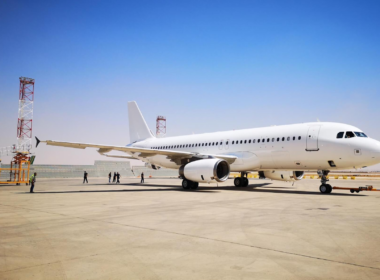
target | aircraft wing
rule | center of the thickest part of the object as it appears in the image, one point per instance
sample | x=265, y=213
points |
x=177, y=156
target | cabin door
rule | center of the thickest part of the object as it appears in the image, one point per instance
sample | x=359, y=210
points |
x=312, y=138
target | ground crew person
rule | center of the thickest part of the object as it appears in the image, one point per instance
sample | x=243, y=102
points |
x=118, y=178
x=142, y=177
x=109, y=177
x=32, y=180
x=114, y=177
x=85, y=177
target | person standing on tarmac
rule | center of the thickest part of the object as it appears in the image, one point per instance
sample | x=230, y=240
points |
x=32, y=181
x=142, y=177
x=118, y=178
x=109, y=177
x=85, y=177
x=114, y=177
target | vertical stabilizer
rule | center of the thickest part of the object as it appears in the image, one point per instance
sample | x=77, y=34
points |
x=138, y=129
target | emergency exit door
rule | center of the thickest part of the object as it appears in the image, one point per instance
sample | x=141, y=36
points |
x=312, y=138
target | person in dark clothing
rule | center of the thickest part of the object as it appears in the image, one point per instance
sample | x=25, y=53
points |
x=142, y=177
x=32, y=182
x=109, y=177
x=85, y=177
x=114, y=177
x=118, y=178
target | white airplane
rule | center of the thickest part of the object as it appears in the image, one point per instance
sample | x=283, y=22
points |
x=281, y=153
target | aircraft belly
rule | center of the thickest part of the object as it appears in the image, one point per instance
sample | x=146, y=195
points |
x=246, y=161
x=163, y=161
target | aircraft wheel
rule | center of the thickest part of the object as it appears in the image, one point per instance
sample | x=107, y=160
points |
x=245, y=182
x=194, y=185
x=238, y=181
x=186, y=184
x=324, y=188
x=329, y=188
x=352, y=191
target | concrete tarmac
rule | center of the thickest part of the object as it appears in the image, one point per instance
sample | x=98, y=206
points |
x=156, y=230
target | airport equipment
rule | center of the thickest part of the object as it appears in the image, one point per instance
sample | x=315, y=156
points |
x=359, y=189
x=20, y=164
x=160, y=126
x=25, y=115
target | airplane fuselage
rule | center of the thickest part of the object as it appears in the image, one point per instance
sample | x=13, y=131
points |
x=308, y=146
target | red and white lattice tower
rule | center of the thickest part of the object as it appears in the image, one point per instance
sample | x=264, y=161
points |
x=25, y=115
x=160, y=126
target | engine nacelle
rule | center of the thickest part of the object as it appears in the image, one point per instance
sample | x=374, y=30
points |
x=281, y=175
x=206, y=171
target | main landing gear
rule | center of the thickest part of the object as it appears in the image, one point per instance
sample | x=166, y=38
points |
x=189, y=185
x=241, y=181
x=324, y=188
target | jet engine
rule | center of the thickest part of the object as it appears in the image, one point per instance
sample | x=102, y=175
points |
x=281, y=175
x=206, y=171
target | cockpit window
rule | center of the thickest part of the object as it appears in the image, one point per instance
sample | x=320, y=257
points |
x=360, y=134
x=340, y=135
x=349, y=134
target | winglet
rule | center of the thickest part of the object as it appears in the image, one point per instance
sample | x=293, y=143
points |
x=38, y=141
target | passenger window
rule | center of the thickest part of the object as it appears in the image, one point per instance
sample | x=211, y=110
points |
x=233, y=142
x=245, y=141
x=209, y=144
x=272, y=139
x=299, y=137
x=203, y=144
x=216, y=143
x=349, y=134
x=294, y=138
x=258, y=141
x=213, y=143
x=340, y=135
x=263, y=140
x=221, y=143
x=249, y=141
x=254, y=140
x=288, y=139
x=241, y=141
x=278, y=139
x=226, y=142
x=193, y=145
x=283, y=138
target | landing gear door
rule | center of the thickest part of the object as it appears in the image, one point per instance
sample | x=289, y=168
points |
x=312, y=138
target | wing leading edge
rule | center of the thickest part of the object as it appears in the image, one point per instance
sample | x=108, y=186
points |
x=136, y=152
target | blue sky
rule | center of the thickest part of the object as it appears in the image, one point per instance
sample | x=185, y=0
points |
x=205, y=65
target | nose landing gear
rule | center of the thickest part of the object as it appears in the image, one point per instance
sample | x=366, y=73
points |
x=324, y=188
x=241, y=181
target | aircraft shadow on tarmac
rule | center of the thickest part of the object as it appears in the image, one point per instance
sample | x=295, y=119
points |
x=261, y=188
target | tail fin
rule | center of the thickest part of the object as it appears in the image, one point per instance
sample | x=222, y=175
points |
x=138, y=129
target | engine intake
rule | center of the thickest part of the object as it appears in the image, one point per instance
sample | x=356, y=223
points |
x=281, y=175
x=206, y=171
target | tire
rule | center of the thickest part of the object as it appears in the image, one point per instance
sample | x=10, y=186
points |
x=352, y=191
x=185, y=184
x=329, y=188
x=194, y=185
x=245, y=182
x=324, y=188
x=238, y=181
